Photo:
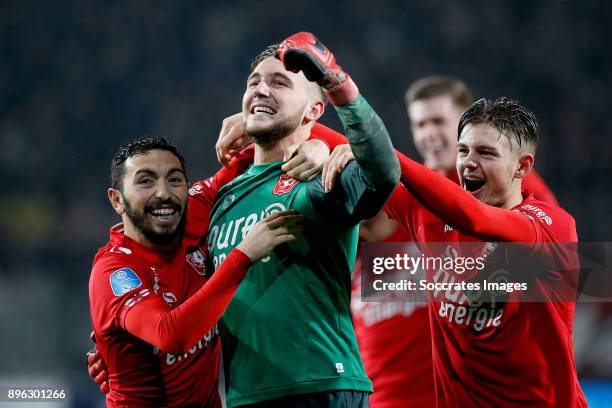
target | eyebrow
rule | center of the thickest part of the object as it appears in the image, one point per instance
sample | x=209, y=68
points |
x=481, y=146
x=150, y=172
x=273, y=75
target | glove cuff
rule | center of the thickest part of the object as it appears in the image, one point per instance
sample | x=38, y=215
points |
x=340, y=92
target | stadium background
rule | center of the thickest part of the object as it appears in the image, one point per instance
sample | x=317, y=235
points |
x=79, y=78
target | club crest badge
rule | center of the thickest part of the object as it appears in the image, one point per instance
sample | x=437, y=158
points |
x=197, y=260
x=285, y=184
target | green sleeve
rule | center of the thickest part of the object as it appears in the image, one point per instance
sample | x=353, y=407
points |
x=351, y=201
x=364, y=186
x=370, y=143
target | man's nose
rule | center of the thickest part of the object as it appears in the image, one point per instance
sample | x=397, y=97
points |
x=469, y=161
x=262, y=89
x=430, y=132
x=162, y=192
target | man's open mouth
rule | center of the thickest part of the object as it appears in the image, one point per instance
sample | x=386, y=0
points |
x=164, y=214
x=472, y=184
x=265, y=110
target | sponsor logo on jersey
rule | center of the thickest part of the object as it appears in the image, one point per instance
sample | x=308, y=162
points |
x=224, y=236
x=124, y=280
x=197, y=260
x=285, y=184
x=447, y=228
x=169, y=298
x=201, y=346
x=542, y=216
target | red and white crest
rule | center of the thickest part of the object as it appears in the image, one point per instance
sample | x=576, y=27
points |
x=285, y=184
x=197, y=259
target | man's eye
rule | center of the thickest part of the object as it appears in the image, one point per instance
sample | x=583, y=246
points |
x=462, y=152
x=252, y=84
x=145, y=181
x=279, y=83
x=176, y=180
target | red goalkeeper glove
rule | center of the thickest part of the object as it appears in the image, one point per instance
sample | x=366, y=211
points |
x=303, y=52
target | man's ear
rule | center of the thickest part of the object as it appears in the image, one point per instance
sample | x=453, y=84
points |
x=314, y=111
x=116, y=200
x=526, y=161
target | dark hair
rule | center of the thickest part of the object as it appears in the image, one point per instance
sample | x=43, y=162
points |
x=267, y=53
x=437, y=85
x=136, y=147
x=506, y=115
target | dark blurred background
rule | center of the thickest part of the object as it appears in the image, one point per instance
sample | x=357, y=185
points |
x=78, y=78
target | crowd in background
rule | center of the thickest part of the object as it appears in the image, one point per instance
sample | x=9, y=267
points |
x=77, y=79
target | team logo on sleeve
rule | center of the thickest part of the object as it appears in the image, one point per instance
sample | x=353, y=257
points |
x=285, y=184
x=198, y=187
x=124, y=280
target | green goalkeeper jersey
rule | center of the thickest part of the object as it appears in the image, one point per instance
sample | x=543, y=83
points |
x=288, y=329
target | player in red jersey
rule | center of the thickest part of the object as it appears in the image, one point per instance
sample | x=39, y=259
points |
x=154, y=305
x=398, y=360
x=523, y=356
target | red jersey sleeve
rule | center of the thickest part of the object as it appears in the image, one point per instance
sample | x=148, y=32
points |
x=456, y=207
x=116, y=284
x=327, y=135
x=400, y=207
x=178, y=329
x=534, y=183
x=202, y=195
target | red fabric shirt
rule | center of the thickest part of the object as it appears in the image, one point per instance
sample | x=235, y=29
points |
x=139, y=373
x=521, y=356
x=395, y=345
x=153, y=317
x=394, y=337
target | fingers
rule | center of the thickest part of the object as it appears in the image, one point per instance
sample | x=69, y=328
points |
x=304, y=170
x=291, y=150
x=95, y=364
x=278, y=214
x=309, y=174
x=101, y=378
x=284, y=220
x=283, y=239
x=286, y=234
x=104, y=387
x=334, y=166
x=294, y=162
x=92, y=357
x=231, y=138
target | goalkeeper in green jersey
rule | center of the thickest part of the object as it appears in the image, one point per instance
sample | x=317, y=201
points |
x=288, y=339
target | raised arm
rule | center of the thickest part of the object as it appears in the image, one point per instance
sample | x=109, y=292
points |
x=458, y=208
x=363, y=188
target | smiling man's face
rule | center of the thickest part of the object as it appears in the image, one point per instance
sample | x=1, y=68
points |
x=275, y=101
x=487, y=164
x=153, y=197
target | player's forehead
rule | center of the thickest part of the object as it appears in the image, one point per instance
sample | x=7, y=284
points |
x=435, y=106
x=271, y=66
x=484, y=135
x=155, y=161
